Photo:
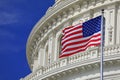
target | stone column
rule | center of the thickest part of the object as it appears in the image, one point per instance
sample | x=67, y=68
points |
x=57, y=44
x=51, y=47
x=112, y=25
x=35, y=65
x=45, y=60
x=106, y=15
x=40, y=55
x=118, y=25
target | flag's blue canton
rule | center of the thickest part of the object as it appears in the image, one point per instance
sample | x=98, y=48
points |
x=91, y=26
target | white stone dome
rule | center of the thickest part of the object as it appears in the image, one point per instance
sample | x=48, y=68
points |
x=58, y=0
x=43, y=44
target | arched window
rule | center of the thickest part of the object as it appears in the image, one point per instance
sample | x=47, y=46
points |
x=59, y=45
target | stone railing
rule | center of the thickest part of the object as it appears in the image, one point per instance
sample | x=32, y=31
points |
x=92, y=53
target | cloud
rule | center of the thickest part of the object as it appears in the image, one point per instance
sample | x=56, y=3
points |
x=9, y=42
x=8, y=18
x=11, y=48
x=9, y=3
x=10, y=12
x=5, y=34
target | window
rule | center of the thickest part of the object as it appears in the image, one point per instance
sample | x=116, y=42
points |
x=59, y=45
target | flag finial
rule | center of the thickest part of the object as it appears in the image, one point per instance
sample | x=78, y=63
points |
x=102, y=11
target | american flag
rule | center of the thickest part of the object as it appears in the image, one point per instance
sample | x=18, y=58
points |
x=79, y=37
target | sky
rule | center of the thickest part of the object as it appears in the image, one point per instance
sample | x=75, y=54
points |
x=17, y=18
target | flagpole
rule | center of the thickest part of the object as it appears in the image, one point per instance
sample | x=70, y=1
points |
x=102, y=45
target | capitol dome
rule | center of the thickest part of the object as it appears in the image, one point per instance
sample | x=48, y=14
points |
x=43, y=45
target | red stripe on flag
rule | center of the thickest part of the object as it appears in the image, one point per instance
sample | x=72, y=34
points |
x=79, y=46
x=72, y=33
x=72, y=28
x=74, y=42
x=80, y=50
x=80, y=41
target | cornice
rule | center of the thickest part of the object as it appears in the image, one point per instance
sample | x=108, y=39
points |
x=57, y=15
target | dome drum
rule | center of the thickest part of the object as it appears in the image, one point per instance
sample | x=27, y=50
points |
x=43, y=46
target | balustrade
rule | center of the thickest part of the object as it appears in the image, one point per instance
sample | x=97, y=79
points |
x=87, y=55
